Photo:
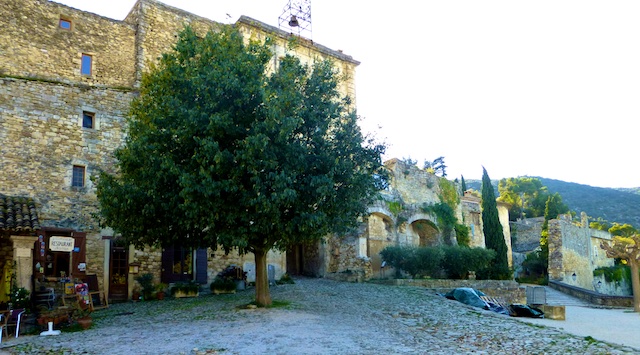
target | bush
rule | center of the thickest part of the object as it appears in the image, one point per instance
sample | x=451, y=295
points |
x=186, y=287
x=223, y=284
x=458, y=260
x=146, y=282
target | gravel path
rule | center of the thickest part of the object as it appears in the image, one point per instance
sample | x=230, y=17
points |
x=313, y=316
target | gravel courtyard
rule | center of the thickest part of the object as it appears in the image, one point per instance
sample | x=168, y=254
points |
x=312, y=316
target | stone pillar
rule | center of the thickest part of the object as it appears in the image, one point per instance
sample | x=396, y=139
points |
x=554, y=240
x=23, y=258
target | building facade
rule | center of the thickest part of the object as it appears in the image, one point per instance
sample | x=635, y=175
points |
x=66, y=80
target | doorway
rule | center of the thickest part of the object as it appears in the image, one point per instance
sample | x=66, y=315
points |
x=118, y=269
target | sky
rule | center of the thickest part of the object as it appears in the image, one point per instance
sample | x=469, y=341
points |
x=521, y=88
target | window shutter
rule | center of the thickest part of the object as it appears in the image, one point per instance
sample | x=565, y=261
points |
x=80, y=240
x=201, y=266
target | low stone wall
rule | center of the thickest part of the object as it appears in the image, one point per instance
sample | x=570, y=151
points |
x=508, y=290
x=592, y=296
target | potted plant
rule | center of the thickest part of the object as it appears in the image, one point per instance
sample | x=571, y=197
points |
x=185, y=289
x=19, y=298
x=135, y=294
x=82, y=315
x=223, y=285
x=235, y=274
x=146, y=282
x=160, y=290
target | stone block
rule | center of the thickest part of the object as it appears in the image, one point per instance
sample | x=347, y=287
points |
x=553, y=312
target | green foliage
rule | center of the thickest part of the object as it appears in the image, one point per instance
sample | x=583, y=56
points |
x=463, y=184
x=535, y=265
x=395, y=207
x=146, y=283
x=616, y=273
x=222, y=284
x=600, y=224
x=436, y=167
x=455, y=261
x=449, y=193
x=462, y=234
x=187, y=287
x=444, y=214
x=416, y=261
x=285, y=279
x=622, y=230
x=221, y=151
x=526, y=195
x=493, y=233
x=458, y=261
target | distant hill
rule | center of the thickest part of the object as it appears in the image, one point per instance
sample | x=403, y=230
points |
x=613, y=205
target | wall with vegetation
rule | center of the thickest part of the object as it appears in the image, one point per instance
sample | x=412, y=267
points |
x=574, y=252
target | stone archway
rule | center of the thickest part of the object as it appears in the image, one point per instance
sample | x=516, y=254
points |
x=380, y=234
x=427, y=233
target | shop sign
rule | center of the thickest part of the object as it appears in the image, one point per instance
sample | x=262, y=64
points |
x=61, y=243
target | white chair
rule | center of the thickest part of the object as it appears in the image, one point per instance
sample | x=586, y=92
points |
x=13, y=320
x=3, y=325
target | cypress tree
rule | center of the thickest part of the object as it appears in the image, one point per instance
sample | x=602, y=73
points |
x=464, y=184
x=493, y=233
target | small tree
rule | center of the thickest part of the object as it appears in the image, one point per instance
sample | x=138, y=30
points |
x=493, y=233
x=627, y=249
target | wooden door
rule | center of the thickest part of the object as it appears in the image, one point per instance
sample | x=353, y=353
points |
x=118, y=271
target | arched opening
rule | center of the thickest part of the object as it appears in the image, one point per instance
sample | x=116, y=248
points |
x=380, y=234
x=427, y=232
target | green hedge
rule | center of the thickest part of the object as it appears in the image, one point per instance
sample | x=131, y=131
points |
x=453, y=262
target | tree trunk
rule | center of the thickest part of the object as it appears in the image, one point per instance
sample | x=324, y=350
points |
x=635, y=284
x=263, y=296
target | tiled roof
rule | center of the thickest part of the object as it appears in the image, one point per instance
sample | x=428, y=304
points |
x=18, y=214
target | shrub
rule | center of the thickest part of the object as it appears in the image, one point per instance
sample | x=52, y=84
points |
x=146, y=282
x=456, y=261
x=416, y=261
x=462, y=235
x=222, y=284
x=186, y=287
x=459, y=260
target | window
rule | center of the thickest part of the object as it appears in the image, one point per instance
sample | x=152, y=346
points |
x=85, y=67
x=88, y=119
x=77, y=179
x=64, y=23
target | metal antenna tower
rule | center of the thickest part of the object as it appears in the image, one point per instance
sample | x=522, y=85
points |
x=296, y=18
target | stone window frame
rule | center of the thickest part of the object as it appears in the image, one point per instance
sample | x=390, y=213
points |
x=88, y=113
x=65, y=19
x=83, y=64
x=76, y=179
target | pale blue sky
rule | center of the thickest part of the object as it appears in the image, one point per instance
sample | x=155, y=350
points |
x=538, y=88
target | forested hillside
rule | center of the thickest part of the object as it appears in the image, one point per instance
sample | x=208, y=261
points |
x=613, y=205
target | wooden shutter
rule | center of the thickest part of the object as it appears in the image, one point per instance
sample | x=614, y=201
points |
x=80, y=239
x=201, y=266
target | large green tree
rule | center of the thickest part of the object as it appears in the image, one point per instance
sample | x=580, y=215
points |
x=221, y=153
x=527, y=196
x=493, y=232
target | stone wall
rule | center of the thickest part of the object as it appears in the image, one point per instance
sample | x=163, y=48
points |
x=574, y=252
x=527, y=234
x=398, y=218
x=509, y=291
x=34, y=45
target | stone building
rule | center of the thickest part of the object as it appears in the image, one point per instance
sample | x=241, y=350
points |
x=574, y=253
x=66, y=80
x=399, y=217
